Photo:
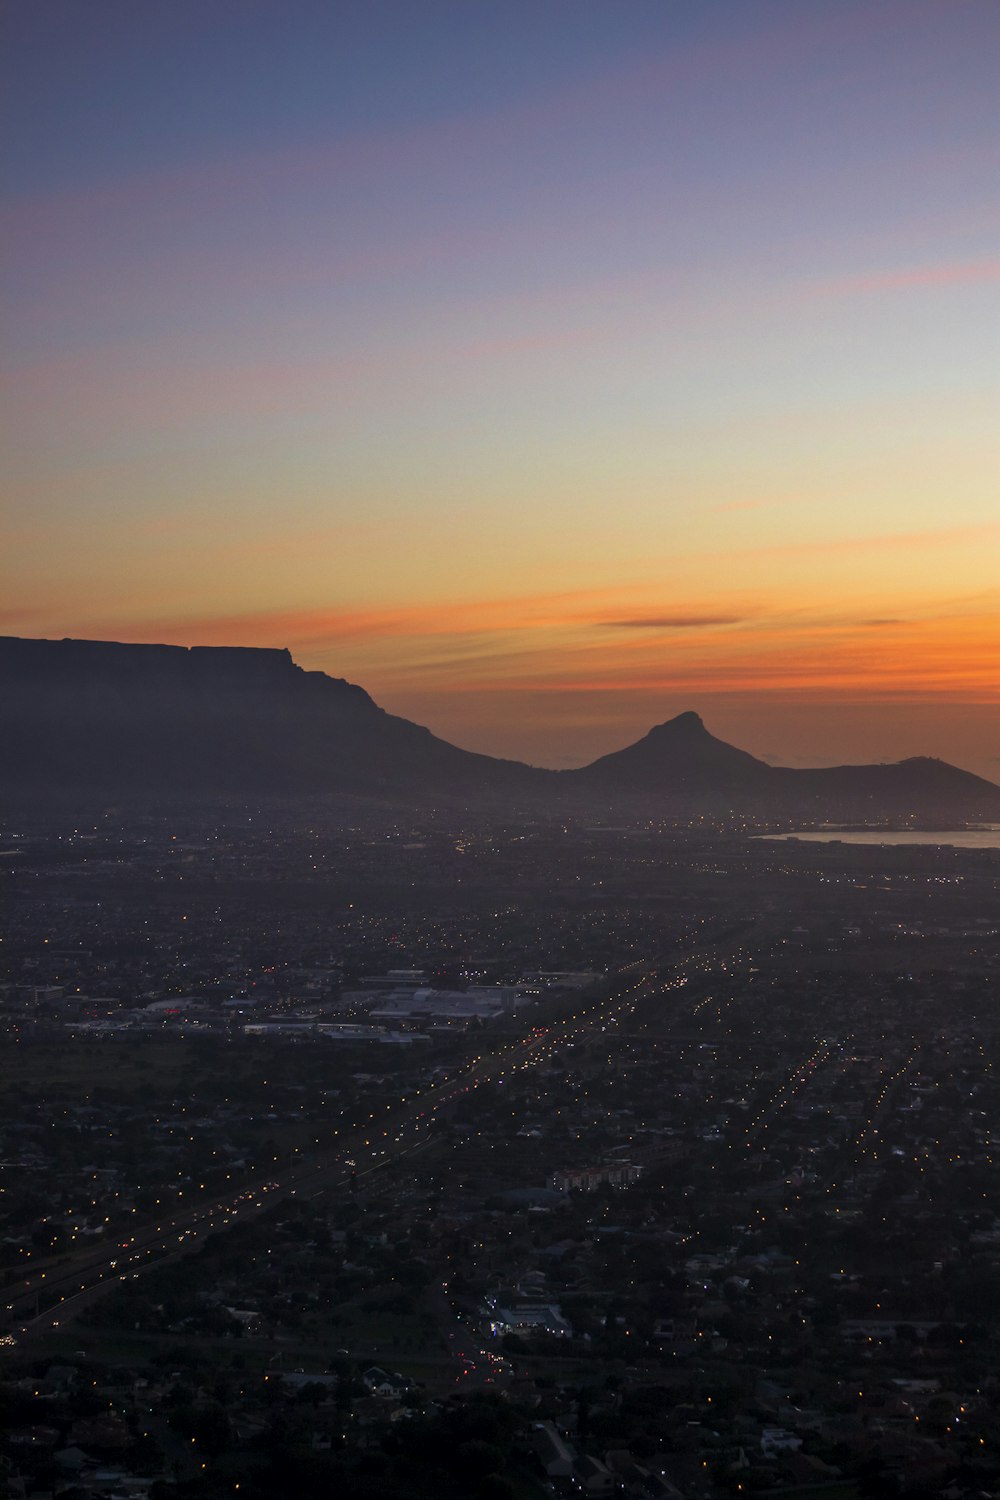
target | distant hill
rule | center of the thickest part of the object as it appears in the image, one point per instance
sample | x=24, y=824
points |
x=200, y=722
x=681, y=759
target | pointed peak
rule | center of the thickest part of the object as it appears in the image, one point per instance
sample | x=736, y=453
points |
x=686, y=723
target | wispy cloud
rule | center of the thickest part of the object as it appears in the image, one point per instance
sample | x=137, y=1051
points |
x=326, y=625
x=673, y=622
x=17, y=616
x=896, y=541
x=903, y=278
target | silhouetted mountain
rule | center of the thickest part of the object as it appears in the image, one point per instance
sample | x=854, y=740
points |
x=681, y=757
x=207, y=721
x=210, y=720
x=681, y=760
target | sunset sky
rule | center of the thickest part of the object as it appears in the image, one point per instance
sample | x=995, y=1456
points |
x=548, y=368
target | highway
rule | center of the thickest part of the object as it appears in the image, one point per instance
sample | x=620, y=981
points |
x=47, y=1298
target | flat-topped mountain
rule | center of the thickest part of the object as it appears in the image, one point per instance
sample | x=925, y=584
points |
x=205, y=721
x=208, y=720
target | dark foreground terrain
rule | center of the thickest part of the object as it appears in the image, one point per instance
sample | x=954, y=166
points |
x=370, y=1155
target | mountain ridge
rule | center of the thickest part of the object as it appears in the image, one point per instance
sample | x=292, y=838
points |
x=215, y=720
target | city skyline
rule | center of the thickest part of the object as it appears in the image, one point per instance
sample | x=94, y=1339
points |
x=546, y=371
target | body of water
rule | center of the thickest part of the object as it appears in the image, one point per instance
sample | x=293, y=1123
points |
x=957, y=838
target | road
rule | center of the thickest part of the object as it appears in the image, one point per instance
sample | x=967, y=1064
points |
x=46, y=1299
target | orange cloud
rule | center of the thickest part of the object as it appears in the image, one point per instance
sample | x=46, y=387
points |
x=673, y=622
x=594, y=644
x=464, y=617
x=947, y=657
